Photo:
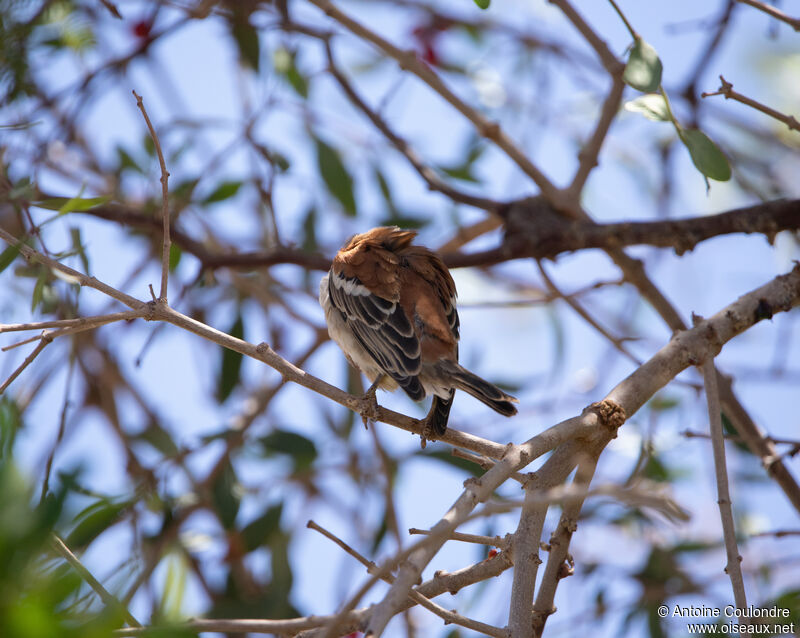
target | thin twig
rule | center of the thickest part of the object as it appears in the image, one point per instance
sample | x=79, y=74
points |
x=733, y=567
x=726, y=90
x=774, y=12
x=165, y=245
x=28, y=360
x=478, y=539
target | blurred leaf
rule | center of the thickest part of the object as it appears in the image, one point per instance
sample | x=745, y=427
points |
x=406, y=221
x=225, y=496
x=336, y=177
x=125, y=160
x=301, y=449
x=380, y=534
x=246, y=37
x=729, y=428
x=149, y=145
x=655, y=470
x=643, y=70
x=38, y=289
x=662, y=403
x=65, y=205
x=652, y=106
x=10, y=424
x=8, y=256
x=223, y=191
x=175, y=254
x=158, y=438
x=182, y=191
x=174, y=587
x=231, y=363
x=259, y=531
x=94, y=520
x=707, y=157
x=310, y=230
x=23, y=188
x=281, y=568
x=285, y=63
x=77, y=246
x=483, y=4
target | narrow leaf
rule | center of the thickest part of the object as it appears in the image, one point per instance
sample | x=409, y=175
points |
x=8, y=256
x=223, y=191
x=706, y=155
x=246, y=38
x=336, y=177
x=300, y=448
x=652, y=106
x=643, y=71
x=259, y=531
x=231, y=363
x=38, y=289
x=483, y=4
x=224, y=494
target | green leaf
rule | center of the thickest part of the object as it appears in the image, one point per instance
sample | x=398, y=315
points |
x=159, y=439
x=336, y=177
x=300, y=448
x=223, y=191
x=310, y=230
x=652, y=106
x=94, y=520
x=8, y=256
x=643, y=70
x=65, y=205
x=246, y=37
x=175, y=253
x=707, y=157
x=231, y=363
x=125, y=160
x=225, y=496
x=38, y=289
x=77, y=247
x=483, y=4
x=10, y=424
x=259, y=531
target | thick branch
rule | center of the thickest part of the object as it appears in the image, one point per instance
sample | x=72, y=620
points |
x=534, y=229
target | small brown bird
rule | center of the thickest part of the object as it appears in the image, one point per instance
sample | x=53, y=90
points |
x=391, y=307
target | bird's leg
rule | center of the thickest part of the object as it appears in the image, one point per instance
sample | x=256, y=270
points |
x=369, y=411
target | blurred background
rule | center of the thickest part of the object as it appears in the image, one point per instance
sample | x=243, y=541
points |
x=183, y=476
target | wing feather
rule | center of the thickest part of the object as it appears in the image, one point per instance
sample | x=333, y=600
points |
x=382, y=328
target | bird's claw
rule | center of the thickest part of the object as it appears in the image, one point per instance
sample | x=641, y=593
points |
x=369, y=405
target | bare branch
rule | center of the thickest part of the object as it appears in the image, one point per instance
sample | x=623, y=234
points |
x=733, y=567
x=164, y=200
x=726, y=90
x=774, y=12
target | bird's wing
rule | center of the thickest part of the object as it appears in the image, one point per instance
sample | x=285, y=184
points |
x=382, y=328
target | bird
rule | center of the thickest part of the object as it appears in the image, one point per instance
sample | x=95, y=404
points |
x=390, y=305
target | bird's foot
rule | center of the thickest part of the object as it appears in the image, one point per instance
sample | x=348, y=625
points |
x=369, y=404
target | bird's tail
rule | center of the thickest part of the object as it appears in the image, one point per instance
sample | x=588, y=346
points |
x=481, y=389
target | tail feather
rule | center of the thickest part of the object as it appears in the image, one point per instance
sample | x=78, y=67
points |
x=486, y=392
x=439, y=414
